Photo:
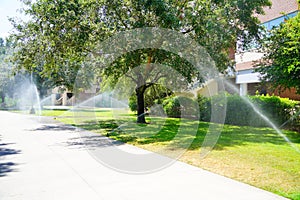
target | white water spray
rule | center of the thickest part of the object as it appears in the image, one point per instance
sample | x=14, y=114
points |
x=264, y=117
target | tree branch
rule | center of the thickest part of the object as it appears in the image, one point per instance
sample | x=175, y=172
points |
x=159, y=77
x=134, y=80
x=120, y=18
x=188, y=31
x=181, y=7
x=149, y=85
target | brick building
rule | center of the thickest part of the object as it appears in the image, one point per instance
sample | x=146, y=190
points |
x=248, y=80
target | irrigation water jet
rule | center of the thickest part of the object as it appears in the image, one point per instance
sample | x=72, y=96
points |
x=27, y=96
x=263, y=116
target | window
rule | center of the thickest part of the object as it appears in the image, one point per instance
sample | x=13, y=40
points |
x=268, y=25
x=276, y=22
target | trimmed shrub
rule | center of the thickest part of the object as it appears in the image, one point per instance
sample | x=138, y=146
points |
x=8, y=103
x=278, y=110
x=171, y=106
x=241, y=111
x=248, y=111
x=132, y=103
x=180, y=106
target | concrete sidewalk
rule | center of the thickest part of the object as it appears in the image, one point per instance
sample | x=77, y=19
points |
x=40, y=159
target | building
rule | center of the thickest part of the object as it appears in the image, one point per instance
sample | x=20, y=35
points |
x=60, y=96
x=248, y=80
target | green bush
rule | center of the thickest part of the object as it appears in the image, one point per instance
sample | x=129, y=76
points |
x=8, y=103
x=248, y=111
x=132, y=103
x=171, y=106
x=276, y=109
x=241, y=111
x=181, y=106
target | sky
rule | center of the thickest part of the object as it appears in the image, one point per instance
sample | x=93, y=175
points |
x=8, y=8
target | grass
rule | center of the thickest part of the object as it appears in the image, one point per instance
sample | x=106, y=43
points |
x=257, y=156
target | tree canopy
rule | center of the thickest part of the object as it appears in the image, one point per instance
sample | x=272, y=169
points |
x=60, y=34
x=5, y=70
x=281, y=63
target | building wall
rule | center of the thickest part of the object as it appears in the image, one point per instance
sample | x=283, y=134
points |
x=210, y=89
x=245, y=61
x=247, y=76
x=260, y=88
x=230, y=86
x=288, y=93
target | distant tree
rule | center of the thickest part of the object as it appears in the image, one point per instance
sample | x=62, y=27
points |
x=52, y=43
x=2, y=46
x=6, y=76
x=61, y=33
x=281, y=63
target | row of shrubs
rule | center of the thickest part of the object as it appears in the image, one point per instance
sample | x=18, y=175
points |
x=8, y=103
x=236, y=110
x=251, y=110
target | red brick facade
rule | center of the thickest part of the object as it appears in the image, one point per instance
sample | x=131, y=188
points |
x=288, y=93
x=253, y=88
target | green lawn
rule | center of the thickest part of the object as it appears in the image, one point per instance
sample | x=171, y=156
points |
x=257, y=156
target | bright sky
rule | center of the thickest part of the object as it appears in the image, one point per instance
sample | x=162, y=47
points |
x=8, y=8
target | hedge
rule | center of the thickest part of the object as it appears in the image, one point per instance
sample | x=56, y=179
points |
x=248, y=111
x=241, y=111
x=180, y=106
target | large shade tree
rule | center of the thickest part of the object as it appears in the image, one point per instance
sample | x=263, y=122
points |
x=281, y=63
x=60, y=34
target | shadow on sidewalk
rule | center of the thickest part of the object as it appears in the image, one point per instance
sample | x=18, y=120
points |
x=92, y=141
x=55, y=128
x=6, y=167
x=85, y=139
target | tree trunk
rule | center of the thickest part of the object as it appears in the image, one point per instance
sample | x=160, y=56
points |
x=2, y=99
x=140, y=105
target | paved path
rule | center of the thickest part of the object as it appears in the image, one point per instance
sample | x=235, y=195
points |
x=41, y=160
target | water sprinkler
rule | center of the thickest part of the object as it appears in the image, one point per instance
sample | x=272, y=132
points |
x=32, y=110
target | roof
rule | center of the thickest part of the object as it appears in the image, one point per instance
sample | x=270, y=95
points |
x=278, y=8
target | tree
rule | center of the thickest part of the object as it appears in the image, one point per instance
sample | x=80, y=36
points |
x=281, y=63
x=61, y=33
x=5, y=70
x=2, y=46
x=154, y=94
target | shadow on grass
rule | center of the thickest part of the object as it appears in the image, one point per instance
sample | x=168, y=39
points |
x=230, y=135
x=90, y=110
x=161, y=130
x=109, y=128
x=242, y=135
